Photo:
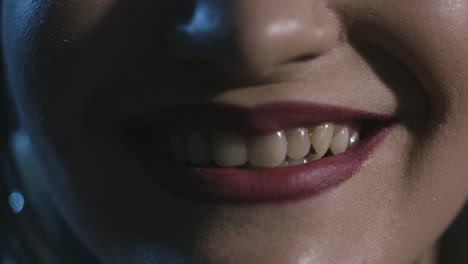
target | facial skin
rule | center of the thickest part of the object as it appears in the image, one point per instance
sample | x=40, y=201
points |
x=75, y=67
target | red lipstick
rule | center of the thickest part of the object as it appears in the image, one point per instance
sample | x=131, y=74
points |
x=244, y=185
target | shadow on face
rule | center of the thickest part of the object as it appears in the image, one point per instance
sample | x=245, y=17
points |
x=78, y=70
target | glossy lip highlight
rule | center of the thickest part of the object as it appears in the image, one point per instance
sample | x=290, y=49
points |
x=281, y=184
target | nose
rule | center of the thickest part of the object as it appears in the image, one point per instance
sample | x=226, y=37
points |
x=256, y=37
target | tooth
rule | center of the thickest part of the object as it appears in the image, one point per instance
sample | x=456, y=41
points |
x=320, y=139
x=295, y=162
x=178, y=147
x=298, y=143
x=268, y=150
x=229, y=150
x=353, y=139
x=312, y=157
x=340, y=141
x=198, y=149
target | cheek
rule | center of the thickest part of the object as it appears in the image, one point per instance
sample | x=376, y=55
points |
x=51, y=60
x=429, y=38
x=41, y=44
x=437, y=181
x=442, y=56
x=436, y=52
x=79, y=18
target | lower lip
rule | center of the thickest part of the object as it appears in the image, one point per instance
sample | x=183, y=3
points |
x=282, y=184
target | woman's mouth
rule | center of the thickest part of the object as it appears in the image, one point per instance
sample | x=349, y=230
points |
x=270, y=153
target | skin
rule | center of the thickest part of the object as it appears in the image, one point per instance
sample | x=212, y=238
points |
x=74, y=68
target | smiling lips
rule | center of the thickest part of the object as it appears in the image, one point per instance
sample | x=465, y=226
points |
x=273, y=152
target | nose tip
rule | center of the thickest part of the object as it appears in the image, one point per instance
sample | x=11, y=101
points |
x=256, y=37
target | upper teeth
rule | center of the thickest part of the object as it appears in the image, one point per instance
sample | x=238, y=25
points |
x=291, y=147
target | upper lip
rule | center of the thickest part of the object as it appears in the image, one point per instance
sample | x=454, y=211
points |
x=264, y=118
